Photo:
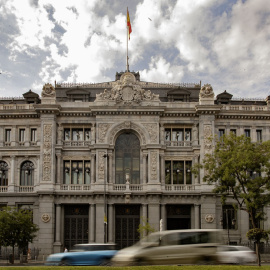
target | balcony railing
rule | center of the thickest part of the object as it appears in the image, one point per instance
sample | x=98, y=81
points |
x=179, y=187
x=27, y=189
x=75, y=187
x=3, y=189
x=179, y=143
x=76, y=143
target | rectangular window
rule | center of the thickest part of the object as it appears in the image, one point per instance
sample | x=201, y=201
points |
x=7, y=135
x=178, y=172
x=228, y=217
x=77, y=172
x=221, y=133
x=21, y=135
x=247, y=133
x=180, y=135
x=67, y=134
x=77, y=134
x=33, y=134
x=233, y=131
x=259, y=135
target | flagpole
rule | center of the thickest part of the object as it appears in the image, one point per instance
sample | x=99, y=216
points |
x=127, y=67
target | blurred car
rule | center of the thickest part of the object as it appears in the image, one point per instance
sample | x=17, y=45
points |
x=84, y=254
x=172, y=247
x=235, y=254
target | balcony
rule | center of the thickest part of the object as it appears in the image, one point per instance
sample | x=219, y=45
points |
x=76, y=143
x=3, y=189
x=26, y=189
x=179, y=143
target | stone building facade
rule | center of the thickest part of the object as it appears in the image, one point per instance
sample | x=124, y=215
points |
x=92, y=161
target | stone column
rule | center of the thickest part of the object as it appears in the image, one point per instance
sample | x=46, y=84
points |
x=91, y=224
x=58, y=173
x=11, y=185
x=13, y=138
x=195, y=161
x=162, y=169
x=144, y=168
x=27, y=136
x=162, y=141
x=153, y=215
x=57, y=244
x=144, y=216
x=164, y=217
x=100, y=222
x=2, y=131
x=110, y=224
x=197, y=216
x=93, y=180
x=110, y=167
x=93, y=134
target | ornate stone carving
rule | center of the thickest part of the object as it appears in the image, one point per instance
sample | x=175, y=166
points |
x=47, y=152
x=101, y=165
x=45, y=218
x=129, y=126
x=208, y=137
x=152, y=130
x=206, y=91
x=209, y=218
x=153, y=164
x=102, y=130
x=48, y=91
x=127, y=91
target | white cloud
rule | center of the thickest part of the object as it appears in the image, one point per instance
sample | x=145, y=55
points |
x=225, y=43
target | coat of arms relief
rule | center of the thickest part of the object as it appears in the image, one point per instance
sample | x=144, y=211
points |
x=127, y=91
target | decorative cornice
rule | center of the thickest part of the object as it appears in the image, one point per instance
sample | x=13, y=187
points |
x=12, y=115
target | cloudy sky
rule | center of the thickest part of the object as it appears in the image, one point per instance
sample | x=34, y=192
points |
x=222, y=42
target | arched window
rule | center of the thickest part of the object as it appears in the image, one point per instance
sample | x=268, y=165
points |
x=3, y=173
x=27, y=174
x=127, y=159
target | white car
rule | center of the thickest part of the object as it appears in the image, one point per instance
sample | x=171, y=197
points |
x=236, y=254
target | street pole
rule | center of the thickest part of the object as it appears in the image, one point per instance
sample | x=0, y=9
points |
x=105, y=203
x=227, y=218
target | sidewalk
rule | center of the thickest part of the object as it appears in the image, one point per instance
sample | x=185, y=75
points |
x=18, y=263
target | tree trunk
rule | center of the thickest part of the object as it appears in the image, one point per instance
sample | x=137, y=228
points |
x=258, y=253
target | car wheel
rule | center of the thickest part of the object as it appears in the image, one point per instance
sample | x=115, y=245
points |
x=65, y=262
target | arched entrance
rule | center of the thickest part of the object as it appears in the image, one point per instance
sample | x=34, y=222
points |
x=127, y=159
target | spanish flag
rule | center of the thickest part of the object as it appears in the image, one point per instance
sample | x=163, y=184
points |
x=128, y=24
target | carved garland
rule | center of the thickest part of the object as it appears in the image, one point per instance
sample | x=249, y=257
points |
x=153, y=165
x=47, y=152
x=101, y=165
x=151, y=128
x=208, y=137
x=102, y=130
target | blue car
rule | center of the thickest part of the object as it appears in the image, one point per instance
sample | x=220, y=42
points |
x=84, y=254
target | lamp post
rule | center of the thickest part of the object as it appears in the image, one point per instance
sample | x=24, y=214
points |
x=105, y=203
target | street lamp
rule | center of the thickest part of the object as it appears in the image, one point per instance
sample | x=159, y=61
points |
x=105, y=203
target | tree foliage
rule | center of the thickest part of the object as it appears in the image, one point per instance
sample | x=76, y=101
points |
x=240, y=169
x=16, y=227
x=145, y=228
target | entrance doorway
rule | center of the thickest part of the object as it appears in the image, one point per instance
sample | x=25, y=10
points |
x=127, y=220
x=178, y=217
x=75, y=225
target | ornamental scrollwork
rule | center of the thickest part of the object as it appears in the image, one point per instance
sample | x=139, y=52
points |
x=47, y=152
x=48, y=91
x=207, y=91
x=127, y=91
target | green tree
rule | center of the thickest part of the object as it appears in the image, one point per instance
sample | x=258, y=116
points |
x=145, y=228
x=240, y=169
x=16, y=228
